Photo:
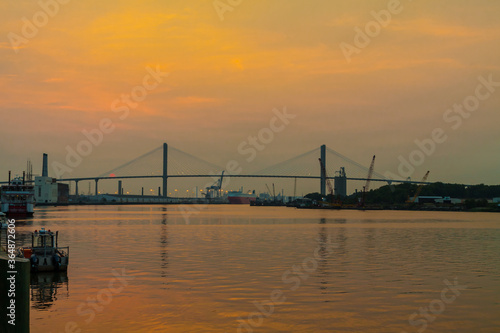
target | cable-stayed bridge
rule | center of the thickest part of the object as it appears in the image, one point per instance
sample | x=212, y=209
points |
x=166, y=162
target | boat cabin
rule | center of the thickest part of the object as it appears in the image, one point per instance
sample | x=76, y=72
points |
x=44, y=239
x=44, y=253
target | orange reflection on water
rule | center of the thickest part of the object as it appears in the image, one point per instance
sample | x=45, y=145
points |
x=215, y=273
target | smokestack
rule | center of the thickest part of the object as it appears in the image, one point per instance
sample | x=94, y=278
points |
x=9, y=177
x=45, y=169
x=24, y=176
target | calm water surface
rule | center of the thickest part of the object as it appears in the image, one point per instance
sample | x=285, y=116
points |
x=232, y=268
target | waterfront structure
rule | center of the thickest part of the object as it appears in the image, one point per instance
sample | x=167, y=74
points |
x=340, y=183
x=47, y=189
x=17, y=197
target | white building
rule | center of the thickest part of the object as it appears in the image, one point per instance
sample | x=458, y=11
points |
x=47, y=190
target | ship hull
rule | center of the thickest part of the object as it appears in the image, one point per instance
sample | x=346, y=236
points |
x=17, y=211
x=240, y=200
x=19, y=215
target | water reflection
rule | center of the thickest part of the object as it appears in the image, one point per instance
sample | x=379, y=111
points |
x=201, y=276
x=323, y=254
x=41, y=214
x=163, y=247
x=48, y=287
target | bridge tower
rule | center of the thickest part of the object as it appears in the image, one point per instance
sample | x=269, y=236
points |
x=323, y=171
x=165, y=167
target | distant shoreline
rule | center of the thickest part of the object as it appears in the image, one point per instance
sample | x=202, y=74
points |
x=191, y=202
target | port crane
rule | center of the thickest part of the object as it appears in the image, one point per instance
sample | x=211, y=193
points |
x=419, y=189
x=216, y=187
x=367, y=184
x=273, y=194
x=268, y=190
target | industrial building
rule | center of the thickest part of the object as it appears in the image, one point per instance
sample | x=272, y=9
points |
x=47, y=189
x=340, y=182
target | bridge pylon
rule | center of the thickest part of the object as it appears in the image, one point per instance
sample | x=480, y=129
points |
x=323, y=171
x=165, y=169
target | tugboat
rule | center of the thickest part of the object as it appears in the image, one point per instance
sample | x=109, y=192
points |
x=18, y=198
x=44, y=254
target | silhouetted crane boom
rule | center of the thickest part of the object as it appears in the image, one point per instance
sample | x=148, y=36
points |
x=370, y=174
x=220, y=180
x=328, y=182
x=216, y=187
x=367, y=184
x=268, y=190
x=419, y=189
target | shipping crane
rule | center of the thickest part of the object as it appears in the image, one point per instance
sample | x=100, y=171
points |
x=220, y=181
x=268, y=190
x=216, y=187
x=367, y=185
x=419, y=189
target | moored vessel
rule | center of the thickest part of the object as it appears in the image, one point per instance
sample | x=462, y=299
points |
x=44, y=253
x=240, y=197
x=17, y=198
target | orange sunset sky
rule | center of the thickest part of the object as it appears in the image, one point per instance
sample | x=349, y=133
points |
x=226, y=76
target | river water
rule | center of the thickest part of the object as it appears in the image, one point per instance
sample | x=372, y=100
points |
x=235, y=268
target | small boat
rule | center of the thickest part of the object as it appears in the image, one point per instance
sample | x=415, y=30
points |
x=44, y=253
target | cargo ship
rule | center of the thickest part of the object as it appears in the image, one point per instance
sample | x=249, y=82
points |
x=239, y=197
x=18, y=198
